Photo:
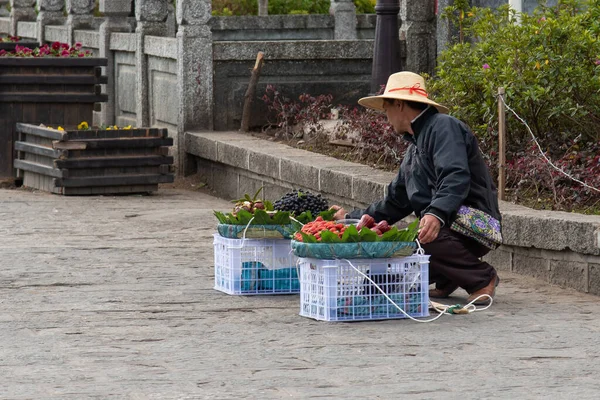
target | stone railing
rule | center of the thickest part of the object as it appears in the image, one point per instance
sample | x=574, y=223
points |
x=165, y=68
x=557, y=247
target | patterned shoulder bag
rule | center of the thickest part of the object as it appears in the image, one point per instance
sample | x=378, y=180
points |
x=475, y=224
x=478, y=225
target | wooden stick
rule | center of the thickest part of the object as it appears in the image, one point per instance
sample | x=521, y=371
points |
x=251, y=92
x=501, y=145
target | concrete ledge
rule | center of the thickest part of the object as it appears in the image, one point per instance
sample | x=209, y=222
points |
x=87, y=38
x=27, y=29
x=271, y=22
x=558, y=247
x=163, y=47
x=123, y=42
x=57, y=33
x=4, y=25
x=294, y=50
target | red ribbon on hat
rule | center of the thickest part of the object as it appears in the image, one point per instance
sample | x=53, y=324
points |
x=416, y=89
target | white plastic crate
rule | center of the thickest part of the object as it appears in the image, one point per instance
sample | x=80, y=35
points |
x=255, y=266
x=332, y=290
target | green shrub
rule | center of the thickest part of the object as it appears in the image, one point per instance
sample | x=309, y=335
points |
x=365, y=6
x=549, y=65
x=234, y=7
x=288, y=6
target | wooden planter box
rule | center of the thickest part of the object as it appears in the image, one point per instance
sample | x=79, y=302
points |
x=53, y=91
x=10, y=46
x=75, y=162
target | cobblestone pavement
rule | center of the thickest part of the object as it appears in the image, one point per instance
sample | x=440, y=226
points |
x=112, y=298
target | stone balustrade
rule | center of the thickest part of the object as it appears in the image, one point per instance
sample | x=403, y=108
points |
x=21, y=10
x=80, y=14
x=4, y=4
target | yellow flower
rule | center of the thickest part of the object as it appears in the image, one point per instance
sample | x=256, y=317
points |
x=470, y=14
x=115, y=127
x=82, y=126
x=109, y=128
x=60, y=128
x=128, y=127
x=547, y=61
x=537, y=65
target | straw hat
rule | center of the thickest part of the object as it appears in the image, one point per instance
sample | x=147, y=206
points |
x=402, y=86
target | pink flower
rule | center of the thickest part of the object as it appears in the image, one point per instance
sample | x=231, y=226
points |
x=55, y=45
x=64, y=46
x=485, y=66
x=65, y=53
x=77, y=46
x=543, y=19
x=597, y=62
x=81, y=55
x=2, y=52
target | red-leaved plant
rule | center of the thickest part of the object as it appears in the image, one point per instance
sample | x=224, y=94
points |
x=531, y=180
x=56, y=49
x=9, y=39
x=291, y=116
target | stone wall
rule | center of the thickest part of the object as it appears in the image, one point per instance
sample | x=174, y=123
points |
x=559, y=248
x=286, y=27
x=183, y=68
x=198, y=76
x=341, y=68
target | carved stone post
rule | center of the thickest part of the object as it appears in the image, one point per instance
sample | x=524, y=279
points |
x=151, y=16
x=386, y=55
x=80, y=16
x=418, y=22
x=344, y=14
x=195, y=72
x=3, y=9
x=115, y=13
x=444, y=29
x=21, y=10
x=263, y=8
x=50, y=12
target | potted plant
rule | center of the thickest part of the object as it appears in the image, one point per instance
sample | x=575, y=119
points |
x=53, y=84
x=8, y=43
x=84, y=160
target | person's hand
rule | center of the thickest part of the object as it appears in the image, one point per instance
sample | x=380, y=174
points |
x=340, y=213
x=429, y=228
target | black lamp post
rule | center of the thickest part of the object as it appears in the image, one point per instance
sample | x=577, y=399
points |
x=386, y=56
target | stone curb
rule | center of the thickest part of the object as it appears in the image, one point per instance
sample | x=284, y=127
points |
x=359, y=185
x=558, y=247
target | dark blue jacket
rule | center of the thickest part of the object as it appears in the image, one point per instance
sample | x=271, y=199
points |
x=442, y=169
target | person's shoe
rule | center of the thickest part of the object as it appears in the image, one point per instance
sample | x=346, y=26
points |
x=490, y=290
x=443, y=293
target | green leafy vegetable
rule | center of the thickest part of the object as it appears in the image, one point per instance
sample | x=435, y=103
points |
x=367, y=235
x=351, y=235
x=306, y=238
x=330, y=237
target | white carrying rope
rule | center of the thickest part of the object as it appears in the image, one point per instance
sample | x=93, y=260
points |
x=470, y=307
x=241, y=246
x=542, y=152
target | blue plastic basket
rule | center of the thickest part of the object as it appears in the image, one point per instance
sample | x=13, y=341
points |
x=255, y=266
